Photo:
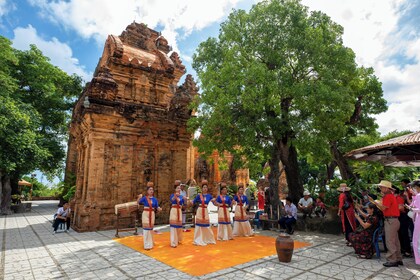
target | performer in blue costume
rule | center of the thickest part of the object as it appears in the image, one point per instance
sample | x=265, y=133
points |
x=175, y=216
x=203, y=233
x=148, y=216
x=241, y=226
x=223, y=201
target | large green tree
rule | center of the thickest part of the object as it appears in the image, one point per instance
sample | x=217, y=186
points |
x=35, y=102
x=272, y=78
x=359, y=129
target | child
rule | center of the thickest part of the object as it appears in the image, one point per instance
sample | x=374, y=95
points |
x=320, y=208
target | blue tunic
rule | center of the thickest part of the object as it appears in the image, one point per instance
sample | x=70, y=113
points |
x=228, y=200
x=243, y=198
x=228, y=203
x=153, y=199
x=207, y=198
x=244, y=201
x=155, y=205
x=173, y=202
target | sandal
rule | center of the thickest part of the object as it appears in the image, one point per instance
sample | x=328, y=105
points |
x=363, y=257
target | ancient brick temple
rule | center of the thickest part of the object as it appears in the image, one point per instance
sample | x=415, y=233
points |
x=129, y=127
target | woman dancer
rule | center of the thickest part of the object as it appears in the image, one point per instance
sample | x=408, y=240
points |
x=148, y=216
x=175, y=216
x=241, y=226
x=203, y=233
x=223, y=201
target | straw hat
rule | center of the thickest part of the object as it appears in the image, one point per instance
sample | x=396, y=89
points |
x=386, y=184
x=306, y=193
x=343, y=188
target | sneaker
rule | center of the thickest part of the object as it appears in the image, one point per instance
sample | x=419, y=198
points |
x=292, y=231
x=400, y=263
x=67, y=230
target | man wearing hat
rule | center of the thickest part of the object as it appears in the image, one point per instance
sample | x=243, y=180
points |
x=389, y=207
x=305, y=204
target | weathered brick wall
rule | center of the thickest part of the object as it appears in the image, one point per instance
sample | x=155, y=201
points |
x=129, y=127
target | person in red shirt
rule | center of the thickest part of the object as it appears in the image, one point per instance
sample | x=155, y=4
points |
x=389, y=207
x=261, y=198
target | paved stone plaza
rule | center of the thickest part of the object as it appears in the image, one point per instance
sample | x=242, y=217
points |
x=31, y=251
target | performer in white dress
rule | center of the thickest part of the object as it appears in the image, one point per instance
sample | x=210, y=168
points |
x=241, y=225
x=148, y=216
x=223, y=201
x=203, y=234
x=175, y=216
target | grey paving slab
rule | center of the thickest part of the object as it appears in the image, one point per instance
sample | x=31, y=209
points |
x=31, y=251
x=273, y=270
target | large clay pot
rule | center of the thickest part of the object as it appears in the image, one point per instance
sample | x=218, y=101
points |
x=284, y=247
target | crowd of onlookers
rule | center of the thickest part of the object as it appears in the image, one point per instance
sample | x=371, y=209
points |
x=394, y=216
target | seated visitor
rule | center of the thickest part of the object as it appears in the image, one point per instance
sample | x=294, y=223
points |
x=320, y=208
x=305, y=204
x=62, y=216
x=290, y=216
x=361, y=239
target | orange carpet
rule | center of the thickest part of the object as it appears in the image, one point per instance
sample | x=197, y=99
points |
x=200, y=260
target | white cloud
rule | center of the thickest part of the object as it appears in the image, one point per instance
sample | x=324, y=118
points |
x=61, y=54
x=99, y=18
x=372, y=29
x=6, y=7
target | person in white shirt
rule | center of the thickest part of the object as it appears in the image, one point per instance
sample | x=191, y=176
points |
x=290, y=217
x=305, y=204
x=62, y=216
x=184, y=194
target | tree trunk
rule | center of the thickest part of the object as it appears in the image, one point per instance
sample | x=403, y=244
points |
x=232, y=171
x=274, y=177
x=289, y=158
x=6, y=194
x=345, y=169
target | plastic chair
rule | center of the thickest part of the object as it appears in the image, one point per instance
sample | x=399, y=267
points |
x=378, y=237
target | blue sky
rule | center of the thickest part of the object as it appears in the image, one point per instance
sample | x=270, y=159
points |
x=384, y=35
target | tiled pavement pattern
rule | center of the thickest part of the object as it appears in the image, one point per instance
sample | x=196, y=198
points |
x=31, y=251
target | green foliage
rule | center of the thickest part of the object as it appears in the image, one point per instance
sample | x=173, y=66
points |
x=331, y=198
x=232, y=190
x=70, y=194
x=252, y=187
x=67, y=189
x=38, y=188
x=280, y=75
x=35, y=102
